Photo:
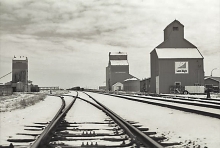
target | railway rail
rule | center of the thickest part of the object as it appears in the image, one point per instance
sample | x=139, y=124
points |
x=114, y=131
x=181, y=100
x=211, y=109
x=44, y=138
x=194, y=99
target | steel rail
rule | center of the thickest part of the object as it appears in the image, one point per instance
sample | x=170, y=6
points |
x=41, y=141
x=210, y=105
x=172, y=106
x=163, y=95
x=198, y=100
x=129, y=133
x=145, y=140
x=214, y=105
x=178, y=95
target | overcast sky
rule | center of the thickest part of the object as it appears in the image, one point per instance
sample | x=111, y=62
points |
x=67, y=41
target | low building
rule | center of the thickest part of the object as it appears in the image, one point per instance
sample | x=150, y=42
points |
x=145, y=85
x=117, y=86
x=132, y=85
x=102, y=87
x=213, y=83
x=5, y=90
x=56, y=88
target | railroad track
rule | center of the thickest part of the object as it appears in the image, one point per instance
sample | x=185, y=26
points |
x=211, y=109
x=109, y=131
x=181, y=100
x=194, y=99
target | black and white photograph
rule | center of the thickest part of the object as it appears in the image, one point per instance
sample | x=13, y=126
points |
x=109, y=74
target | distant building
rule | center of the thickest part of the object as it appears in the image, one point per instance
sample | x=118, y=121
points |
x=102, y=87
x=176, y=62
x=145, y=85
x=5, y=90
x=57, y=88
x=34, y=88
x=20, y=73
x=117, y=70
x=118, y=86
x=213, y=83
x=20, y=82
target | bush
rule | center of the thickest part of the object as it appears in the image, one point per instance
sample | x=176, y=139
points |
x=21, y=102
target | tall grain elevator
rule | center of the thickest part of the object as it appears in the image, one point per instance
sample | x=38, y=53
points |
x=175, y=62
x=20, y=73
x=117, y=70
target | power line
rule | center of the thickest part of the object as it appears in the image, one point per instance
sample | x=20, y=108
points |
x=6, y=75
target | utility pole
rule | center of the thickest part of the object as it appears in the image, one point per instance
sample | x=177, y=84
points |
x=212, y=70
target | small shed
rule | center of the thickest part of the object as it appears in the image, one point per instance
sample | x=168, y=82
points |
x=102, y=87
x=212, y=83
x=145, y=85
x=117, y=86
x=5, y=90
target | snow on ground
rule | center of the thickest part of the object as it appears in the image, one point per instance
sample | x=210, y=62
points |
x=86, y=97
x=85, y=112
x=13, y=122
x=20, y=100
x=178, y=126
x=16, y=101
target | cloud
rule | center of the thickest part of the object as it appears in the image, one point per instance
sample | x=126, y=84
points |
x=65, y=33
x=74, y=19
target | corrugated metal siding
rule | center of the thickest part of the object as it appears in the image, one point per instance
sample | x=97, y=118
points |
x=168, y=76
